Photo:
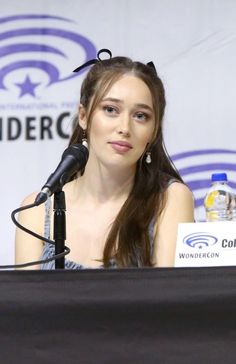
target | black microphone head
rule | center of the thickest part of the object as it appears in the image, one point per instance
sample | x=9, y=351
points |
x=73, y=160
x=75, y=157
x=78, y=151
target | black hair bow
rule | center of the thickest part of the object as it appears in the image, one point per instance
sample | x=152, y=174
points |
x=95, y=60
x=98, y=59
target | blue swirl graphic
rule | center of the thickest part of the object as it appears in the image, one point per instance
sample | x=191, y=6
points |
x=32, y=16
x=200, y=240
x=28, y=47
x=50, y=68
x=196, y=184
x=192, y=153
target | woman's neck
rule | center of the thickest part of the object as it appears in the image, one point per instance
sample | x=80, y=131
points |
x=100, y=185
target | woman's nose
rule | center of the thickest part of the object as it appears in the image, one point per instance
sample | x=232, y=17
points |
x=124, y=126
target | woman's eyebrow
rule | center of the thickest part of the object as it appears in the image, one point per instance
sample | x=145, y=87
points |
x=144, y=106
x=113, y=99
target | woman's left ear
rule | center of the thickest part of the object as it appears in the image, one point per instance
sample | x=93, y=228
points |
x=82, y=117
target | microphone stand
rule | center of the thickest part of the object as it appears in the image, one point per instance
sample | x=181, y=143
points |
x=59, y=234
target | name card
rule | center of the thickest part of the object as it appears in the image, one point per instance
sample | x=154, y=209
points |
x=206, y=244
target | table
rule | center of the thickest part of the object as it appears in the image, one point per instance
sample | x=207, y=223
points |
x=159, y=315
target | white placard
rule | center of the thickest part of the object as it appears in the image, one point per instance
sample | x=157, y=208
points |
x=206, y=244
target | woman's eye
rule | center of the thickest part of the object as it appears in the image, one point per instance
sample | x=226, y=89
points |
x=110, y=110
x=141, y=116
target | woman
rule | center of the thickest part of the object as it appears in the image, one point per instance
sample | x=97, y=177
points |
x=124, y=209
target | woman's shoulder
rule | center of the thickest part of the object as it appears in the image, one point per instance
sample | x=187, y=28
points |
x=179, y=203
x=175, y=185
x=181, y=189
x=178, y=196
x=27, y=247
x=34, y=214
x=29, y=199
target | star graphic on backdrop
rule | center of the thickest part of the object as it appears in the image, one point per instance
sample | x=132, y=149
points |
x=27, y=87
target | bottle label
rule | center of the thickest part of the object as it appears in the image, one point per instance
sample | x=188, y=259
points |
x=210, y=199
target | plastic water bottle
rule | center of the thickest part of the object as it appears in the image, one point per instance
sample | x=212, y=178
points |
x=219, y=199
x=233, y=207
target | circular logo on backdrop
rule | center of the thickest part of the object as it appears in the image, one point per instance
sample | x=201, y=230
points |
x=200, y=240
x=36, y=51
x=196, y=167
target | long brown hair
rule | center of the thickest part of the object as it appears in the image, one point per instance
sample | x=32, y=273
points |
x=128, y=242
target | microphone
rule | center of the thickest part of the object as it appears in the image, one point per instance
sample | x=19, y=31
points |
x=73, y=160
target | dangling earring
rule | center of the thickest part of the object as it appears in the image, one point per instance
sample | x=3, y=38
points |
x=148, y=158
x=84, y=139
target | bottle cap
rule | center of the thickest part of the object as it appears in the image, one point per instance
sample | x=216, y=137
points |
x=216, y=177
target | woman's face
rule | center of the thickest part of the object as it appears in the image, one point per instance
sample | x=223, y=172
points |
x=122, y=124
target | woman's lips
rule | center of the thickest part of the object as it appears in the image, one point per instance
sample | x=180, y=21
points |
x=121, y=146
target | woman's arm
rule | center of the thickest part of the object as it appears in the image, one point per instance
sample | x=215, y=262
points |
x=27, y=247
x=179, y=208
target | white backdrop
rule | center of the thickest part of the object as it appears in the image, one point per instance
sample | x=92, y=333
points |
x=191, y=42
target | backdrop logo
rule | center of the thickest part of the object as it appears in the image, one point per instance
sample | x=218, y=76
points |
x=34, y=44
x=200, y=240
x=196, y=167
